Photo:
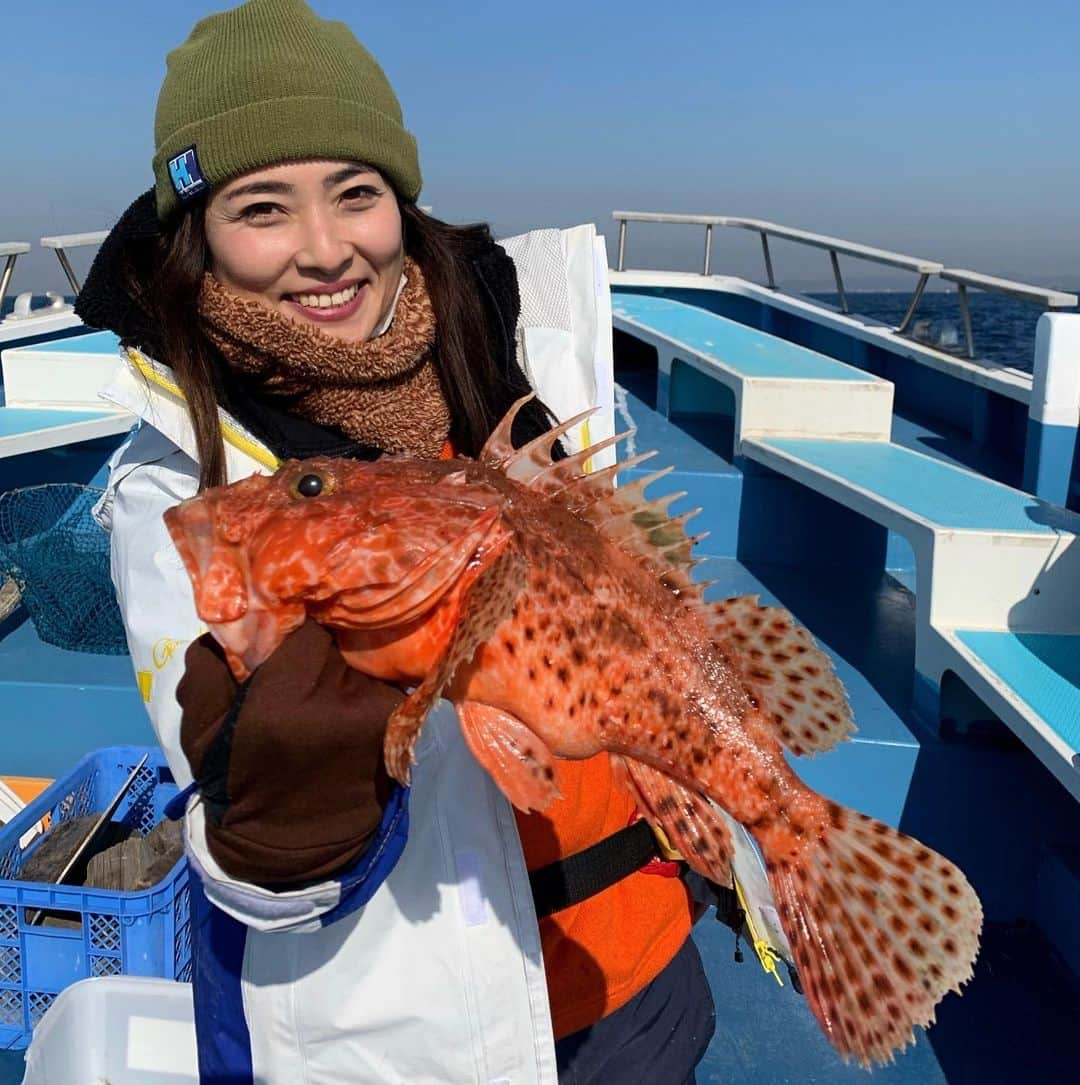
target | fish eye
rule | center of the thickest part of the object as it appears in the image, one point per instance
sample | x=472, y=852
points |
x=312, y=484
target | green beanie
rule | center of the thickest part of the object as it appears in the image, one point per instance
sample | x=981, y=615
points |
x=266, y=82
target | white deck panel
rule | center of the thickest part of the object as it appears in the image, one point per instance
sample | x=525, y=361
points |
x=62, y=373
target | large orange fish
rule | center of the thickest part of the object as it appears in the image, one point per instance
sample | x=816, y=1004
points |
x=558, y=613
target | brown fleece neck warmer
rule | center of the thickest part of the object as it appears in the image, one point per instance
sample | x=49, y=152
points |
x=384, y=392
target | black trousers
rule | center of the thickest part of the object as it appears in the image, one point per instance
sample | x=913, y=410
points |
x=657, y=1038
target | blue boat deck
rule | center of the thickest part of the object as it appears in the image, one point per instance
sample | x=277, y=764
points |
x=983, y=797
x=59, y=705
x=986, y=803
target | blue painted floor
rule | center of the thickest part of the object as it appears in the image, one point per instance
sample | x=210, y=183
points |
x=1012, y=1024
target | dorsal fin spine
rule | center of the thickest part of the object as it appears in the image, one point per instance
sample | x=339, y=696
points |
x=499, y=447
x=569, y=471
x=546, y=441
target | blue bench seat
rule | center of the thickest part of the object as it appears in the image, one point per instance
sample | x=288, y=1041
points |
x=1043, y=670
x=750, y=352
x=778, y=387
x=998, y=576
x=911, y=486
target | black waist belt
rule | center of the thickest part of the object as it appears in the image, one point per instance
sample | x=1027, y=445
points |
x=584, y=874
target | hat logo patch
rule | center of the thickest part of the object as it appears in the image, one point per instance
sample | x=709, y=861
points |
x=186, y=175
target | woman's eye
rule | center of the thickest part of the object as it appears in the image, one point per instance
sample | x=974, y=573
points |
x=359, y=193
x=257, y=211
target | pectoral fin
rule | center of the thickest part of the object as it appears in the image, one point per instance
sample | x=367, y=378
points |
x=517, y=760
x=489, y=588
x=688, y=819
x=782, y=667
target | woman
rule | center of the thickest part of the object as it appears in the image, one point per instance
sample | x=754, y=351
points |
x=281, y=295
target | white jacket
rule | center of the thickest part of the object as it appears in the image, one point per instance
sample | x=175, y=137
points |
x=431, y=972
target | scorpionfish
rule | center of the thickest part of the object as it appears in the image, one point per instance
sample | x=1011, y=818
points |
x=557, y=611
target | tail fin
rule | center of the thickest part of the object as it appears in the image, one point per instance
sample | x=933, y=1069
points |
x=881, y=928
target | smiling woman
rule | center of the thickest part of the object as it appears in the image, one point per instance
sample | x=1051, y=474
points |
x=321, y=242
x=283, y=297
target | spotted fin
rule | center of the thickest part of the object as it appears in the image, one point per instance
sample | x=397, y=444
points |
x=488, y=590
x=880, y=926
x=688, y=819
x=792, y=679
x=517, y=760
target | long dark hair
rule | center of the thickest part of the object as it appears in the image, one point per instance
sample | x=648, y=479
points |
x=476, y=386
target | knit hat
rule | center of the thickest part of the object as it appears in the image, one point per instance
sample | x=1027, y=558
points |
x=266, y=82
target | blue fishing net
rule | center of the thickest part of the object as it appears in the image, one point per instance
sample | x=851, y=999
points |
x=56, y=553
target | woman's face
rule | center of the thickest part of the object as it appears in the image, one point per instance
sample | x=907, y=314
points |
x=319, y=242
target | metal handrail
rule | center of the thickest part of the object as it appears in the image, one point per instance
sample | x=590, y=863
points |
x=836, y=247
x=12, y=250
x=1051, y=299
x=72, y=241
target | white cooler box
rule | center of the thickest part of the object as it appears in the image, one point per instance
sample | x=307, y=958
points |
x=126, y=1030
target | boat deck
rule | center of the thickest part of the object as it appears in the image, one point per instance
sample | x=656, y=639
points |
x=953, y=794
x=978, y=794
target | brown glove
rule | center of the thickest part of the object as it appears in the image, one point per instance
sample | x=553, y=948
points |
x=289, y=764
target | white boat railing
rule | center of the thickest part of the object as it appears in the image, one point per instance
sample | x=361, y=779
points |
x=71, y=241
x=836, y=247
x=14, y=249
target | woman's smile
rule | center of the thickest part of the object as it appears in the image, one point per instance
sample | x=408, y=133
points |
x=318, y=241
x=327, y=303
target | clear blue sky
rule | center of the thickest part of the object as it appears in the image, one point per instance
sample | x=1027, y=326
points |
x=947, y=130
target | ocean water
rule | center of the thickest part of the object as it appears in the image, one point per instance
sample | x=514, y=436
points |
x=1003, y=328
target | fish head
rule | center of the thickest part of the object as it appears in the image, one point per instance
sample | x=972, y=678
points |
x=358, y=546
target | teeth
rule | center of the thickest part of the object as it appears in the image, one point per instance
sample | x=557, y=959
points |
x=326, y=301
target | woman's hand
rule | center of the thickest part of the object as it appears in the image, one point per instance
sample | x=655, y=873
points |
x=289, y=764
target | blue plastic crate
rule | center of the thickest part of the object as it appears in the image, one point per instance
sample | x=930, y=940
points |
x=146, y=933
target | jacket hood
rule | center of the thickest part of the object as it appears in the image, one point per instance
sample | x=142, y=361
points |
x=133, y=243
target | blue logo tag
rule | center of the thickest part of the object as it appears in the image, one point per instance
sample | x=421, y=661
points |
x=186, y=176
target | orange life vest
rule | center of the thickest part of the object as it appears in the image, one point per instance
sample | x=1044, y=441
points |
x=598, y=954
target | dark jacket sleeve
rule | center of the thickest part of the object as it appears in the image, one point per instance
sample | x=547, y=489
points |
x=131, y=251
x=290, y=764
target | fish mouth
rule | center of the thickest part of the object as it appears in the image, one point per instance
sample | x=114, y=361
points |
x=247, y=628
x=192, y=530
x=384, y=606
